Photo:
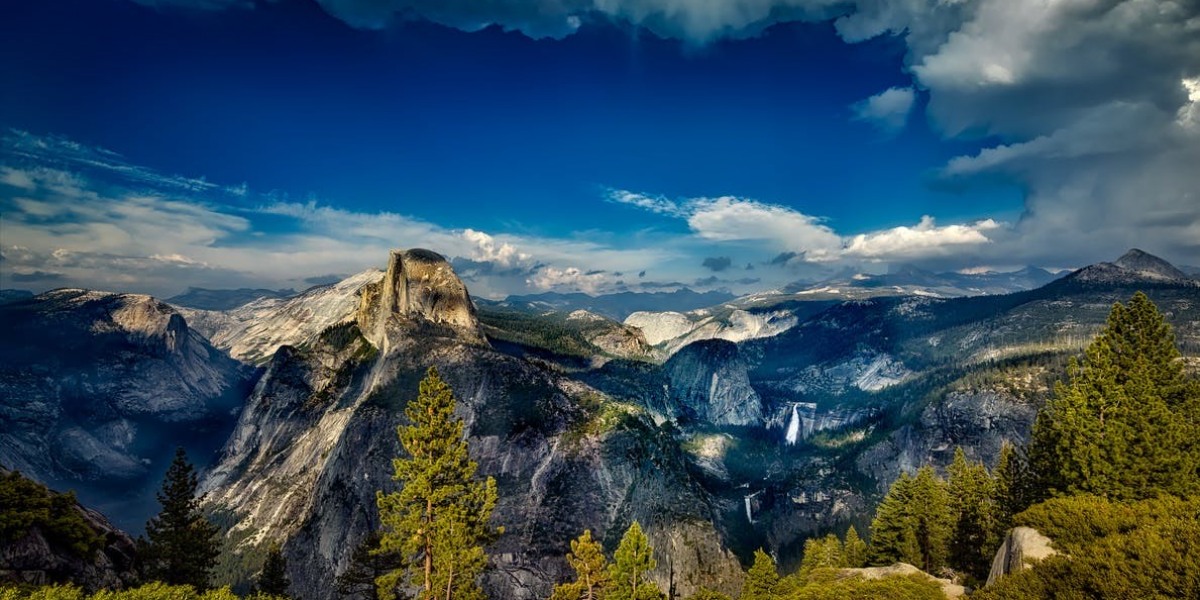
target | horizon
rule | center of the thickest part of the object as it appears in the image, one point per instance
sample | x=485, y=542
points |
x=593, y=148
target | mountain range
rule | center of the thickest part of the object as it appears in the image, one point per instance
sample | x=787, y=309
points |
x=752, y=421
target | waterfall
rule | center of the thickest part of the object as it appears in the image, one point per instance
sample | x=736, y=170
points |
x=749, y=514
x=793, y=429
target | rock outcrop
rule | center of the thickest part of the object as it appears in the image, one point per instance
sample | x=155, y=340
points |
x=949, y=588
x=710, y=384
x=419, y=284
x=38, y=557
x=1022, y=546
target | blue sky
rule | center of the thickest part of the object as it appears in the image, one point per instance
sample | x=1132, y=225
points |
x=154, y=145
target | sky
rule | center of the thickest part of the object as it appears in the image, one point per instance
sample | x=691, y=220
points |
x=590, y=145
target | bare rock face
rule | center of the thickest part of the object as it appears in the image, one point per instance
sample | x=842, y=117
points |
x=710, y=383
x=418, y=284
x=1022, y=546
x=951, y=589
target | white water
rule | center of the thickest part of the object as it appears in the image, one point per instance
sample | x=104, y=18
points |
x=749, y=514
x=793, y=429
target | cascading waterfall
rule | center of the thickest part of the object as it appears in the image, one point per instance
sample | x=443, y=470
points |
x=749, y=512
x=793, y=428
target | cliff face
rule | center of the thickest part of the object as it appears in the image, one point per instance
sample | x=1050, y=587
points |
x=317, y=436
x=710, y=384
x=420, y=285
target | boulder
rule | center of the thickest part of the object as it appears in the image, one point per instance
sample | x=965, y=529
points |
x=1022, y=546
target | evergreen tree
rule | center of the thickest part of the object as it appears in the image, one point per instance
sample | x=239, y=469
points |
x=821, y=553
x=439, y=520
x=1124, y=426
x=367, y=564
x=854, y=550
x=932, y=518
x=972, y=498
x=1013, y=493
x=913, y=523
x=762, y=580
x=273, y=581
x=893, y=538
x=707, y=594
x=181, y=546
x=591, y=571
x=630, y=570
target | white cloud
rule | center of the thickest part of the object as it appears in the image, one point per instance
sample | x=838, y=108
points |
x=734, y=219
x=888, y=109
x=925, y=240
x=489, y=249
x=571, y=278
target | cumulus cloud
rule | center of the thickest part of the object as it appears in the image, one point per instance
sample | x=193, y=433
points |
x=888, y=110
x=925, y=240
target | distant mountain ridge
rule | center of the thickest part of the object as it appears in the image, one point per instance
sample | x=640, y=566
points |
x=206, y=299
x=620, y=305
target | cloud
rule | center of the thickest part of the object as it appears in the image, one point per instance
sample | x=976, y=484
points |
x=784, y=258
x=925, y=240
x=717, y=263
x=887, y=110
x=325, y=279
x=706, y=281
x=37, y=276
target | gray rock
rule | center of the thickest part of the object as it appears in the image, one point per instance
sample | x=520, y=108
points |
x=1022, y=546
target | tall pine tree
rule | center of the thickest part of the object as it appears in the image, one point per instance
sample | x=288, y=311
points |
x=273, y=580
x=762, y=579
x=630, y=570
x=913, y=523
x=367, y=564
x=591, y=571
x=972, y=499
x=854, y=550
x=181, y=546
x=1124, y=426
x=439, y=520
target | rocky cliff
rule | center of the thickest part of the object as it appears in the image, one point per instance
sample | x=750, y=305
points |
x=710, y=384
x=420, y=285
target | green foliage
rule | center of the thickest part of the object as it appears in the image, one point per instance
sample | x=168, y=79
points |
x=439, y=520
x=822, y=553
x=632, y=563
x=707, y=594
x=273, y=580
x=855, y=551
x=367, y=564
x=914, y=523
x=1013, y=485
x=762, y=580
x=26, y=504
x=592, y=577
x=1145, y=549
x=181, y=546
x=828, y=584
x=1125, y=424
x=149, y=591
x=973, y=502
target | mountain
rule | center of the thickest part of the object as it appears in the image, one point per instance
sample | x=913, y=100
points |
x=620, y=305
x=912, y=281
x=253, y=332
x=1133, y=268
x=316, y=438
x=10, y=295
x=206, y=299
x=97, y=389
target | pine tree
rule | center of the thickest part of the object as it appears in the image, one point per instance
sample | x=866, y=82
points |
x=367, y=564
x=1124, y=426
x=1013, y=492
x=972, y=497
x=181, y=546
x=591, y=571
x=273, y=580
x=439, y=520
x=821, y=553
x=893, y=537
x=762, y=580
x=630, y=570
x=854, y=550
